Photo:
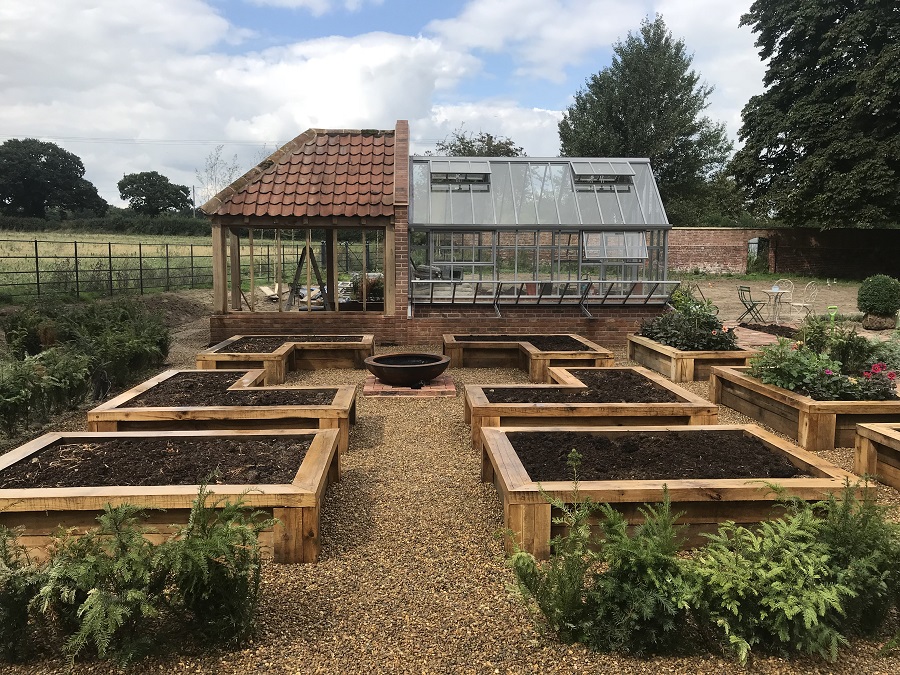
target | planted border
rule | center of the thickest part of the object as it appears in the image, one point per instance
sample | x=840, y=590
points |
x=679, y=365
x=291, y=356
x=296, y=504
x=117, y=415
x=480, y=412
x=705, y=503
x=523, y=355
x=815, y=425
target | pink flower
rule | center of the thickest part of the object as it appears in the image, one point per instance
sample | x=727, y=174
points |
x=828, y=371
x=891, y=375
x=878, y=367
x=867, y=374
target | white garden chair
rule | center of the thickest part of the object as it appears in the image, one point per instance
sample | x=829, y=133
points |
x=805, y=305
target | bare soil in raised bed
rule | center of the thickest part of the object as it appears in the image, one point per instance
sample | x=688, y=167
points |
x=211, y=388
x=264, y=344
x=159, y=461
x=545, y=343
x=771, y=329
x=603, y=386
x=649, y=456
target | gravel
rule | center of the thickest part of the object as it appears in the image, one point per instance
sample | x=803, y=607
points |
x=412, y=576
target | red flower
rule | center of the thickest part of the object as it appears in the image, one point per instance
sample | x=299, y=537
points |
x=878, y=367
x=891, y=375
x=867, y=374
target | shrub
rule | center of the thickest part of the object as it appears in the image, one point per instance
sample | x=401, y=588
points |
x=20, y=580
x=864, y=551
x=102, y=586
x=558, y=585
x=20, y=387
x=691, y=327
x=773, y=588
x=879, y=295
x=214, y=564
x=638, y=602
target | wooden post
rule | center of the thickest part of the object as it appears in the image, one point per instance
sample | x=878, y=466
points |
x=865, y=457
x=234, y=255
x=309, y=255
x=278, y=274
x=252, y=275
x=220, y=291
x=364, y=275
x=331, y=268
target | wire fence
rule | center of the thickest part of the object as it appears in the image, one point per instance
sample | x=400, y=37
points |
x=39, y=268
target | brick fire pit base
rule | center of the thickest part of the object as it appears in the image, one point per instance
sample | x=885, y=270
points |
x=442, y=385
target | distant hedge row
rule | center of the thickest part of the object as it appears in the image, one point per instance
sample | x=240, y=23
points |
x=124, y=223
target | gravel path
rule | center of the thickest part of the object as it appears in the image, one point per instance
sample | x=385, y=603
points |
x=412, y=576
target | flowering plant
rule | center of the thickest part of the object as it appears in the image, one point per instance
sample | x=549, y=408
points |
x=691, y=326
x=799, y=368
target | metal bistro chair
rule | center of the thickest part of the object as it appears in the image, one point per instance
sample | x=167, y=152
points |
x=809, y=297
x=752, y=306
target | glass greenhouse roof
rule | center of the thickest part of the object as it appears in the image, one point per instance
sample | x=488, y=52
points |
x=517, y=192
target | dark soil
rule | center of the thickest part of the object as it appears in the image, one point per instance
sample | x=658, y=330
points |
x=210, y=388
x=649, y=456
x=545, y=343
x=603, y=386
x=771, y=329
x=159, y=461
x=265, y=344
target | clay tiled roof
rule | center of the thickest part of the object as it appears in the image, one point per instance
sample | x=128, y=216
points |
x=322, y=172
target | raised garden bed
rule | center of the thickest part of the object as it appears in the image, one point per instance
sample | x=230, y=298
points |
x=66, y=479
x=877, y=452
x=280, y=354
x=586, y=397
x=226, y=399
x=682, y=366
x=535, y=354
x=816, y=425
x=712, y=473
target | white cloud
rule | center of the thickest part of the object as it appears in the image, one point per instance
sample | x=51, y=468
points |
x=317, y=7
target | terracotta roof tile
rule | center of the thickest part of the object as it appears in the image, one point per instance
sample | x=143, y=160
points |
x=320, y=173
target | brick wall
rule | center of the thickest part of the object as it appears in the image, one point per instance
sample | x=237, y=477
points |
x=608, y=326
x=842, y=253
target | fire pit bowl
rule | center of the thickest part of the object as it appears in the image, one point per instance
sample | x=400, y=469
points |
x=407, y=370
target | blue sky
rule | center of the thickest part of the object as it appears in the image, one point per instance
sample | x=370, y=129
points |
x=155, y=85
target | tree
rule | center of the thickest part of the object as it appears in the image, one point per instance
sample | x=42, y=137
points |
x=465, y=144
x=218, y=173
x=36, y=176
x=151, y=193
x=822, y=142
x=648, y=103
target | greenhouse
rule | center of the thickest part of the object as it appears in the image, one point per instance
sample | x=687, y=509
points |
x=520, y=230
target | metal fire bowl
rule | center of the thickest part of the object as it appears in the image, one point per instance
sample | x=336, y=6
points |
x=407, y=370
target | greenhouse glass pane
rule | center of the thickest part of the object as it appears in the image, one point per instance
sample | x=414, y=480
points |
x=545, y=195
x=502, y=194
x=440, y=208
x=587, y=205
x=484, y=208
x=565, y=194
x=440, y=166
x=648, y=195
x=420, y=204
x=631, y=210
x=523, y=193
x=609, y=207
x=461, y=207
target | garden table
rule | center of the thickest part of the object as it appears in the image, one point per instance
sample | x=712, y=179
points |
x=775, y=294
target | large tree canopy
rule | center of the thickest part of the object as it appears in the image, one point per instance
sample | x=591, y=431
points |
x=466, y=144
x=649, y=103
x=151, y=193
x=822, y=142
x=37, y=175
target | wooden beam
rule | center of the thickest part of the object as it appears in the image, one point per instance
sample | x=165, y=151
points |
x=220, y=253
x=331, y=268
x=234, y=256
x=390, y=273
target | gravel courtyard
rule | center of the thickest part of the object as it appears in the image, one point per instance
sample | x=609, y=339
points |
x=412, y=576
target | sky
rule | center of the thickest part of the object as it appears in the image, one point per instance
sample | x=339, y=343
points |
x=157, y=85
